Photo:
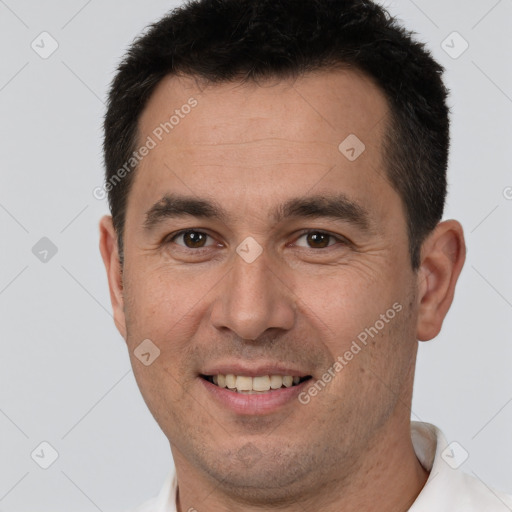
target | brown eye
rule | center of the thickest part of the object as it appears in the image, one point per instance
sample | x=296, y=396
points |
x=318, y=240
x=191, y=239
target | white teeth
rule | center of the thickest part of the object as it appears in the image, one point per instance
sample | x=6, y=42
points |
x=243, y=383
x=230, y=381
x=251, y=385
x=287, y=381
x=276, y=381
x=261, y=383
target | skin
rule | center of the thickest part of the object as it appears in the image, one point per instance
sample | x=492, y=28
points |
x=250, y=148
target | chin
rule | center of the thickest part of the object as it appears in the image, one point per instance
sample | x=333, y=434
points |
x=269, y=486
x=259, y=474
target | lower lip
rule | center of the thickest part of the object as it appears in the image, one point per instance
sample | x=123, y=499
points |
x=259, y=403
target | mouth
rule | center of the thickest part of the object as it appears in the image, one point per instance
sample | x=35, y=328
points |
x=262, y=384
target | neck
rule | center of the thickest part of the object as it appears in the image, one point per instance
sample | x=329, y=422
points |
x=389, y=478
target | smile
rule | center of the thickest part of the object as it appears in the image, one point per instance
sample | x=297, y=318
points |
x=254, y=385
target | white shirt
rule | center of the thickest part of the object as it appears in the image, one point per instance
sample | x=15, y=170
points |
x=447, y=489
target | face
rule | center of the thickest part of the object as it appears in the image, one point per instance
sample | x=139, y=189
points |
x=259, y=244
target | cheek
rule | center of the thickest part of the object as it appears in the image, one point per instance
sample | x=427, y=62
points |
x=163, y=393
x=345, y=303
x=158, y=301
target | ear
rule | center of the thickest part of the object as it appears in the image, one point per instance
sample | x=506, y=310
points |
x=442, y=257
x=110, y=254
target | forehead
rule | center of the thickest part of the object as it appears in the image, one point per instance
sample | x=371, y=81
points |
x=263, y=140
x=329, y=104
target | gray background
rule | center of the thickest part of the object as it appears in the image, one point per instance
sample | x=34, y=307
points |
x=65, y=376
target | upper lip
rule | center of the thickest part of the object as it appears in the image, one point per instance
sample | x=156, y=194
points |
x=253, y=371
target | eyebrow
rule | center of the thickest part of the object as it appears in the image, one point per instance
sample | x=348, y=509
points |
x=337, y=207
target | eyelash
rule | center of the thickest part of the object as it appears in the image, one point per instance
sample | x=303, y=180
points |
x=172, y=237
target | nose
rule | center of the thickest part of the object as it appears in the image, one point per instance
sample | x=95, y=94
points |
x=253, y=297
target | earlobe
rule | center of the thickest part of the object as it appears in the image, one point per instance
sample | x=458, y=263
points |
x=442, y=258
x=110, y=255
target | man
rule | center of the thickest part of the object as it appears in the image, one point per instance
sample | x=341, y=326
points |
x=276, y=174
